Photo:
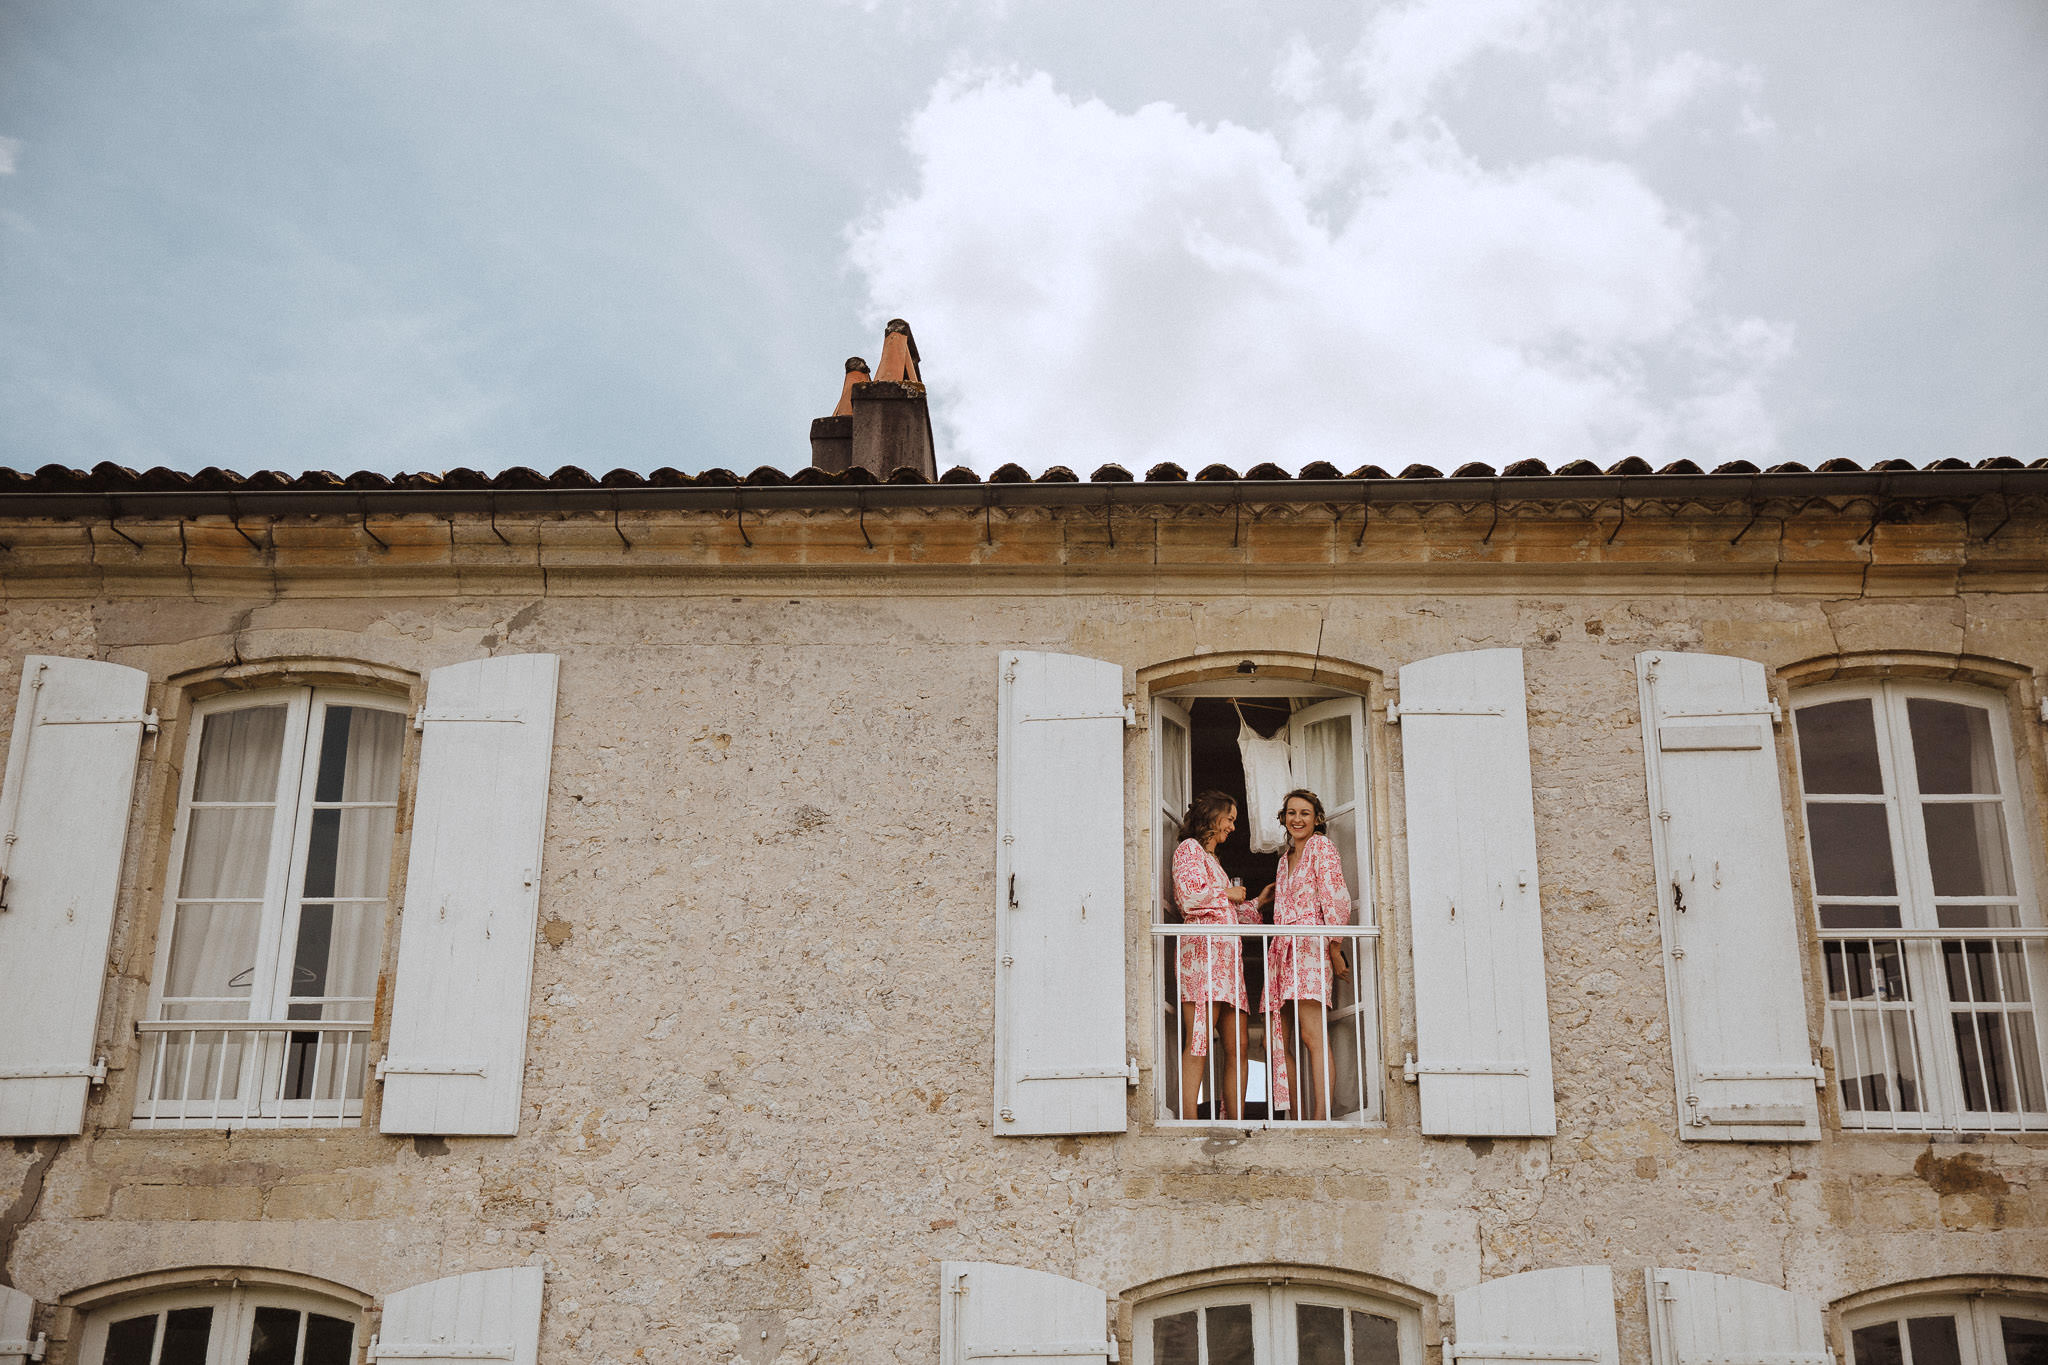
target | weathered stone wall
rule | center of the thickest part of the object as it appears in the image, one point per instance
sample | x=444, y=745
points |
x=758, y=1086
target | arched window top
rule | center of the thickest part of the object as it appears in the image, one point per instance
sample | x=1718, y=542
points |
x=1946, y=1325
x=236, y=1322
x=1286, y=1320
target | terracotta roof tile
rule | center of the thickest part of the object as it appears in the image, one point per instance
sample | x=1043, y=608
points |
x=1319, y=469
x=959, y=473
x=1420, y=471
x=1527, y=469
x=1010, y=473
x=1473, y=470
x=1266, y=471
x=1634, y=464
x=1110, y=473
x=1216, y=473
x=1166, y=471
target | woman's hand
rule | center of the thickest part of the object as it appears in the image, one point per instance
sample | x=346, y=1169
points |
x=1266, y=896
x=1337, y=963
x=1235, y=894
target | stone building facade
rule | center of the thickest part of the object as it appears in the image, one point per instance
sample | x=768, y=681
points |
x=755, y=1104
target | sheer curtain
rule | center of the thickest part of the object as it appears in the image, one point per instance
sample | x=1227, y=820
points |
x=219, y=914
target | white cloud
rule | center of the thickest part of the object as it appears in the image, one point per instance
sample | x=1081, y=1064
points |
x=10, y=154
x=1096, y=285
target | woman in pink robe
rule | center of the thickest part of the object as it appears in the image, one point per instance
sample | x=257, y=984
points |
x=1308, y=889
x=1210, y=969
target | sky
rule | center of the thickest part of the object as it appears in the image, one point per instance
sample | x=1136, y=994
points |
x=395, y=236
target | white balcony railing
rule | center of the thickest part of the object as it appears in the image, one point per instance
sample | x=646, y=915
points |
x=1939, y=1028
x=215, y=1073
x=1299, y=1074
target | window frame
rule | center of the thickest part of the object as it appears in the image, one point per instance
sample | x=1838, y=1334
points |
x=305, y=700
x=1273, y=1325
x=1979, y=1335
x=1369, y=1010
x=1932, y=1008
x=234, y=1303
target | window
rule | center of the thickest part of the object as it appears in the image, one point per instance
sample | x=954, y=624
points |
x=1282, y=1324
x=1308, y=1070
x=266, y=973
x=1934, y=953
x=1979, y=1330
x=239, y=1326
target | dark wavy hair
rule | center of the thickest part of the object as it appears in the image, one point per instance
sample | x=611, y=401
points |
x=1315, y=803
x=1204, y=811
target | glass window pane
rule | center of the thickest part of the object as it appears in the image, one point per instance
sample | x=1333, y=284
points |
x=213, y=956
x=1852, y=850
x=1838, y=748
x=2026, y=1340
x=130, y=1341
x=329, y=1341
x=1330, y=774
x=359, y=753
x=1173, y=766
x=337, y=955
x=1174, y=1340
x=227, y=852
x=1934, y=1341
x=1877, y=1345
x=1318, y=1335
x=1951, y=750
x=1230, y=1335
x=1966, y=848
x=274, y=1339
x=238, y=755
x=185, y=1334
x=1859, y=917
x=1374, y=1340
x=1875, y=1061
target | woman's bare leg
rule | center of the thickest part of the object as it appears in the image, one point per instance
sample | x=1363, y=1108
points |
x=1191, y=1066
x=1230, y=1024
x=1313, y=1101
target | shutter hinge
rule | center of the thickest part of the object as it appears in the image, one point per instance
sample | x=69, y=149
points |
x=96, y=1073
x=387, y=1067
x=1396, y=711
x=1514, y=1350
x=1041, y=1350
x=147, y=720
x=1412, y=1070
x=423, y=715
x=435, y=1350
x=1764, y=1073
x=27, y=1350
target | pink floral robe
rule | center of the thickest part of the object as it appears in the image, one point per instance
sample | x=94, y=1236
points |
x=1299, y=968
x=1211, y=970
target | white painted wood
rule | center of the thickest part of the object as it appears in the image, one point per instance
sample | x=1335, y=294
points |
x=1345, y=797
x=1173, y=783
x=1561, y=1314
x=17, y=1315
x=1019, y=1316
x=1482, y=1016
x=488, y=1315
x=472, y=899
x=63, y=829
x=1060, y=1051
x=1741, y=1054
x=1702, y=1319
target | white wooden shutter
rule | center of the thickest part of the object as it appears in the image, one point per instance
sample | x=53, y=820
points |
x=1061, y=1066
x=63, y=827
x=472, y=896
x=484, y=1315
x=1482, y=1018
x=1739, y=1044
x=1702, y=1319
x=1561, y=1314
x=1020, y=1317
x=17, y=1312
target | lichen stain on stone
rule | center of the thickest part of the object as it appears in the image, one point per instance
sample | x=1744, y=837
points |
x=1966, y=1173
x=557, y=932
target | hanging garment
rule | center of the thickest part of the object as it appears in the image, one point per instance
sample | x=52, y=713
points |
x=1268, y=777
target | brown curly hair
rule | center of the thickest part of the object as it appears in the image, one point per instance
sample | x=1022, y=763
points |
x=1315, y=804
x=1204, y=811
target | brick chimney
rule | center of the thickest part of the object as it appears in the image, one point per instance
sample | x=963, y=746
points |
x=882, y=423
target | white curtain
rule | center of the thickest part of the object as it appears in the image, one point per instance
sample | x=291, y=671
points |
x=219, y=917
